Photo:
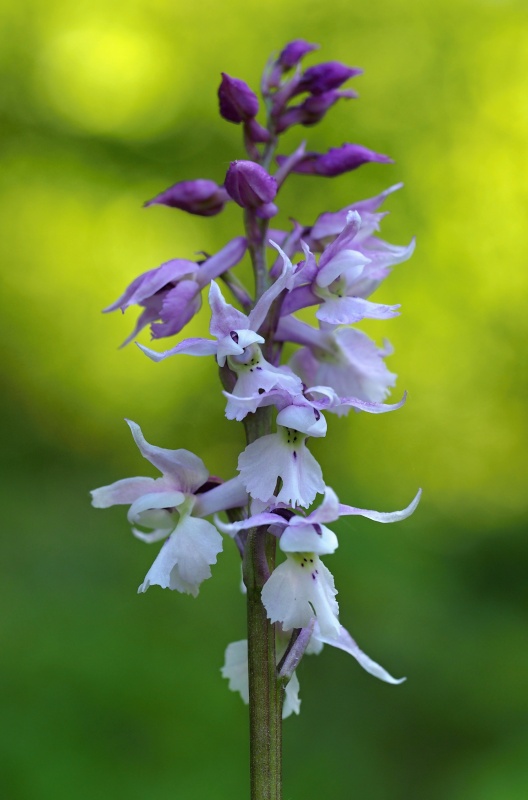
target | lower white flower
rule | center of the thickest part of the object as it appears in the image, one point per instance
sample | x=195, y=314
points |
x=299, y=588
x=185, y=558
x=235, y=670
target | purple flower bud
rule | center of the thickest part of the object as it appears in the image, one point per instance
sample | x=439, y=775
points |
x=238, y=103
x=336, y=161
x=249, y=185
x=313, y=109
x=294, y=52
x=202, y=197
x=324, y=77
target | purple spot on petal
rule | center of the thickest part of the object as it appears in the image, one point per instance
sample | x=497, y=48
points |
x=234, y=336
x=317, y=414
x=313, y=576
x=317, y=528
x=295, y=454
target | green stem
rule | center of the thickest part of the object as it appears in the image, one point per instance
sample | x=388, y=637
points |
x=265, y=690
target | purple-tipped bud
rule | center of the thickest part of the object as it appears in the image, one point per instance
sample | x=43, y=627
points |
x=336, y=161
x=294, y=52
x=202, y=197
x=238, y=103
x=313, y=109
x=325, y=77
x=249, y=185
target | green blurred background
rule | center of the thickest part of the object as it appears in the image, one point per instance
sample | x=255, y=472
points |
x=110, y=694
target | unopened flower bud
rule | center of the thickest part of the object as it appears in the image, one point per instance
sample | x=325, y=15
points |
x=238, y=103
x=249, y=185
x=294, y=52
x=324, y=77
x=202, y=197
x=313, y=109
x=336, y=161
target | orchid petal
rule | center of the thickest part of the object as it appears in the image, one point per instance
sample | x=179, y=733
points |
x=284, y=281
x=350, y=262
x=186, y=468
x=189, y=347
x=154, y=536
x=303, y=418
x=345, y=642
x=381, y=516
x=152, y=281
x=224, y=317
x=125, y=491
x=157, y=501
x=230, y=494
x=183, y=561
x=226, y=258
x=347, y=310
x=179, y=306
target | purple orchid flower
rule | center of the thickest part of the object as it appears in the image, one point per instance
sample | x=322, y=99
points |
x=171, y=293
x=344, y=359
x=348, y=271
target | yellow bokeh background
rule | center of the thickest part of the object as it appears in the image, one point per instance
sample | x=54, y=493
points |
x=102, y=107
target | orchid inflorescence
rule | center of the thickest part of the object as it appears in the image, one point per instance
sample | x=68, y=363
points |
x=332, y=265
